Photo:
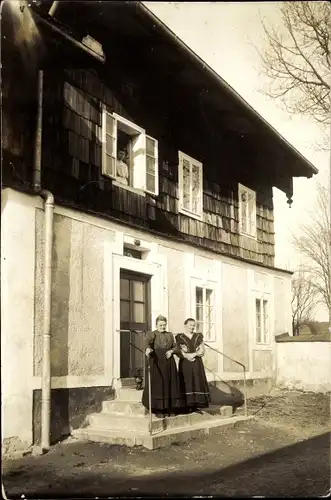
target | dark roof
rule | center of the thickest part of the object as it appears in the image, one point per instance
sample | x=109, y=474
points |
x=309, y=168
x=132, y=24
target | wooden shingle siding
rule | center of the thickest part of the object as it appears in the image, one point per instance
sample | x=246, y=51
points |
x=71, y=168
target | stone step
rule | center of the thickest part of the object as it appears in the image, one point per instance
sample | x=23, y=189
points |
x=129, y=394
x=123, y=407
x=131, y=408
x=157, y=440
x=128, y=382
x=111, y=421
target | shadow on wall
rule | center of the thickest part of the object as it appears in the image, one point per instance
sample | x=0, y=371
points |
x=225, y=396
x=69, y=409
x=223, y=393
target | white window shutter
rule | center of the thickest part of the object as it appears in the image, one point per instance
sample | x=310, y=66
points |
x=190, y=183
x=139, y=161
x=186, y=186
x=252, y=213
x=109, y=143
x=197, y=189
x=243, y=202
x=152, y=166
x=247, y=210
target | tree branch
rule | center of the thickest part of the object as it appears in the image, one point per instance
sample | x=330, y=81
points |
x=297, y=61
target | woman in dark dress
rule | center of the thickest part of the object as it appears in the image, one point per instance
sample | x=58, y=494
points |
x=192, y=377
x=160, y=346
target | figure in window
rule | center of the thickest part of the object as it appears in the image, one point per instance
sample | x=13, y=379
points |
x=122, y=169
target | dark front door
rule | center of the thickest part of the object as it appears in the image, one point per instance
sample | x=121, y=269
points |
x=135, y=315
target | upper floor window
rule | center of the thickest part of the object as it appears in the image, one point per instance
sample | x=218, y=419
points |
x=129, y=155
x=262, y=321
x=247, y=211
x=190, y=186
x=205, y=312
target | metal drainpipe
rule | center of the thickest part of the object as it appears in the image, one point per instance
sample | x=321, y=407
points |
x=48, y=246
x=38, y=139
x=46, y=363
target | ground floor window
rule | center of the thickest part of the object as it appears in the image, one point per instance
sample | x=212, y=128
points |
x=205, y=312
x=262, y=320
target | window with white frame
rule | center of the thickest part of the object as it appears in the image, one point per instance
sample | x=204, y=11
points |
x=129, y=155
x=205, y=312
x=190, y=186
x=247, y=211
x=262, y=320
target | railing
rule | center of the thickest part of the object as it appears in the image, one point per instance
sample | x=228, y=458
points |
x=148, y=371
x=238, y=363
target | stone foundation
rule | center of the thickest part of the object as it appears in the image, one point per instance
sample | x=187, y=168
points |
x=69, y=409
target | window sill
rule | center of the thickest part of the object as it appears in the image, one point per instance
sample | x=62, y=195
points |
x=263, y=347
x=250, y=236
x=129, y=188
x=198, y=217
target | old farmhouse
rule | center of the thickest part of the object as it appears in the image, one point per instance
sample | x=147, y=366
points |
x=136, y=182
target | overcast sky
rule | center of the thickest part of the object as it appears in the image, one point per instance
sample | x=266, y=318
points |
x=225, y=36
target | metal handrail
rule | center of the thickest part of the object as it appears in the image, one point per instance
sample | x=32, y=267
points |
x=148, y=376
x=238, y=363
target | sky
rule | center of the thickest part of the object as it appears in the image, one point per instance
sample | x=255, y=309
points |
x=226, y=36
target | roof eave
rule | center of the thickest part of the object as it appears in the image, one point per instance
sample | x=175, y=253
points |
x=308, y=169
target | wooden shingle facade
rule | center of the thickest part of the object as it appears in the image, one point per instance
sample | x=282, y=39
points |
x=176, y=115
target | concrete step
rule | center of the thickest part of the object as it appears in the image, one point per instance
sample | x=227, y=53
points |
x=129, y=394
x=132, y=408
x=128, y=382
x=159, y=439
x=123, y=407
x=134, y=422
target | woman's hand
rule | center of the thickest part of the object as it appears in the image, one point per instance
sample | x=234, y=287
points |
x=148, y=352
x=190, y=356
x=169, y=353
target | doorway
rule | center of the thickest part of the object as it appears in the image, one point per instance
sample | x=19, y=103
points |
x=135, y=312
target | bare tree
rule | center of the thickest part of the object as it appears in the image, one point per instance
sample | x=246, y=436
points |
x=314, y=243
x=297, y=59
x=303, y=300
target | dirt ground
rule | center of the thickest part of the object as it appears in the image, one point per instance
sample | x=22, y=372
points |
x=284, y=451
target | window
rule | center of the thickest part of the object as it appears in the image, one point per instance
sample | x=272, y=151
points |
x=205, y=312
x=190, y=186
x=262, y=321
x=129, y=155
x=247, y=211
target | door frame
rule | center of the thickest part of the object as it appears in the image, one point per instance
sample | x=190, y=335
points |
x=158, y=304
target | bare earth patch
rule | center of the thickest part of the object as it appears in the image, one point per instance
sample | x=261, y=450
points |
x=285, y=451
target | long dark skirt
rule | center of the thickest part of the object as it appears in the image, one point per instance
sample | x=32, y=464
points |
x=193, y=383
x=164, y=383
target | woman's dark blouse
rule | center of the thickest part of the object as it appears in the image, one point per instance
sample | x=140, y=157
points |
x=191, y=344
x=158, y=340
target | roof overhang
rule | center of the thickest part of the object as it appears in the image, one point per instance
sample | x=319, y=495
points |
x=133, y=25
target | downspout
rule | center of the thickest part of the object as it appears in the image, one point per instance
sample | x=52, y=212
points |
x=48, y=246
x=46, y=362
x=38, y=139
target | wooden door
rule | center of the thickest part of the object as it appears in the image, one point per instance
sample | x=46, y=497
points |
x=135, y=319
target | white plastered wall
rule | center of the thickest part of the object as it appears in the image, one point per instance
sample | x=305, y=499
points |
x=164, y=258
x=17, y=314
